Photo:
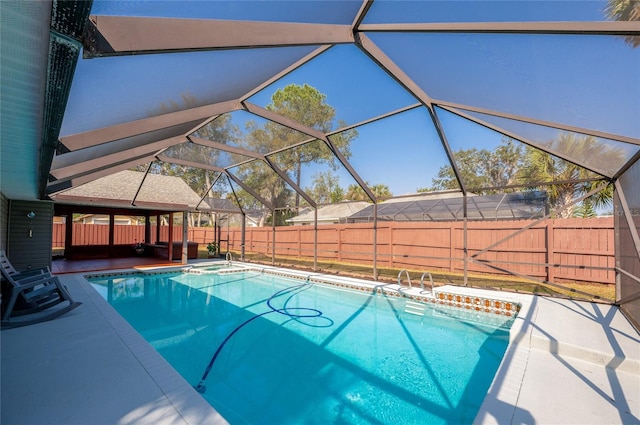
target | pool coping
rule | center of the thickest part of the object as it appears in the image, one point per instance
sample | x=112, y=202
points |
x=169, y=381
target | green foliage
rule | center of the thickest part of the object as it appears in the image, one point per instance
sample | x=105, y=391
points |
x=325, y=188
x=543, y=167
x=356, y=193
x=625, y=10
x=220, y=130
x=307, y=106
x=482, y=171
x=585, y=210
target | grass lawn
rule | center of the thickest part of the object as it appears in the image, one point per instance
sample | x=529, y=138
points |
x=596, y=292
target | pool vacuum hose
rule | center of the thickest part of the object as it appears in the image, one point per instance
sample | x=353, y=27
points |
x=311, y=312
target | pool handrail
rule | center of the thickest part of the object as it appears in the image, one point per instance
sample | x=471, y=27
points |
x=422, y=282
x=400, y=277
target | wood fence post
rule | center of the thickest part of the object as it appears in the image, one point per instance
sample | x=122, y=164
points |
x=452, y=245
x=549, y=250
x=391, y=229
x=68, y=236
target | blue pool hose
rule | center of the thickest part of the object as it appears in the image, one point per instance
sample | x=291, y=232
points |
x=201, y=387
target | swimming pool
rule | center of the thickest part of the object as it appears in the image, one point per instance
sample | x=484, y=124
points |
x=267, y=349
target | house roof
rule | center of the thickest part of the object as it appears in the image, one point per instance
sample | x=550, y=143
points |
x=333, y=212
x=222, y=205
x=157, y=191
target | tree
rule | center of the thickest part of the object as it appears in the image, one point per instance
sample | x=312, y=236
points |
x=325, y=188
x=625, y=10
x=510, y=164
x=305, y=105
x=266, y=183
x=481, y=168
x=356, y=193
x=543, y=167
x=220, y=130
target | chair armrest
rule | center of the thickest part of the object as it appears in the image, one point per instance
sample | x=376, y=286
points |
x=31, y=272
x=35, y=281
x=34, y=277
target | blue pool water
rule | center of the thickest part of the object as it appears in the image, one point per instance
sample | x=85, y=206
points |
x=310, y=354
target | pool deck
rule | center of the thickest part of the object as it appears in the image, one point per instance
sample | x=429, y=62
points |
x=568, y=362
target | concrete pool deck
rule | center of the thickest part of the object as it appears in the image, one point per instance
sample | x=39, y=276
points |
x=568, y=362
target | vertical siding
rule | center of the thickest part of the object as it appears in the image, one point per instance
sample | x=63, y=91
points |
x=4, y=221
x=30, y=240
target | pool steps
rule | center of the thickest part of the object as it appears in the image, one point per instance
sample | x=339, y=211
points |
x=412, y=307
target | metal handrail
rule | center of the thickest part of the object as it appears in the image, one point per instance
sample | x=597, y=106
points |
x=400, y=277
x=422, y=282
x=229, y=258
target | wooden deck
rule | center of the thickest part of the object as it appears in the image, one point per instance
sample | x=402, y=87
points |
x=63, y=266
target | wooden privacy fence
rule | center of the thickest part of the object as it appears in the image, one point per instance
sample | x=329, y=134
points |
x=556, y=250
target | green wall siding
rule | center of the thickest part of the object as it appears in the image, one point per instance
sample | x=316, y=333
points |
x=29, y=240
x=4, y=221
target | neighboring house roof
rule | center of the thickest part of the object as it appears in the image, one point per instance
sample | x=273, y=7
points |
x=222, y=205
x=334, y=213
x=119, y=189
x=426, y=196
x=506, y=206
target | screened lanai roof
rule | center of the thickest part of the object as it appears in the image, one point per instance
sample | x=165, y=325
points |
x=190, y=85
x=504, y=206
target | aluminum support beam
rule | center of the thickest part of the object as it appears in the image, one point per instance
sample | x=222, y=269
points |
x=225, y=148
x=196, y=116
x=384, y=62
x=290, y=182
x=294, y=125
x=317, y=52
x=80, y=162
x=564, y=27
x=144, y=177
x=118, y=35
x=528, y=142
x=250, y=190
x=58, y=185
x=617, y=137
x=187, y=163
x=629, y=217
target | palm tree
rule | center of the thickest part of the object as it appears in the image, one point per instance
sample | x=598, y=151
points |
x=542, y=167
x=625, y=10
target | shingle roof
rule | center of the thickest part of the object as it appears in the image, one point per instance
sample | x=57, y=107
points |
x=158, y=191
x=333, y=212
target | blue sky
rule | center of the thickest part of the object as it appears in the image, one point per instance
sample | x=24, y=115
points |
x=587, y=81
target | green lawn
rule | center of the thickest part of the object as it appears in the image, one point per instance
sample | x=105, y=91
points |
x=594, y=291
